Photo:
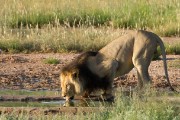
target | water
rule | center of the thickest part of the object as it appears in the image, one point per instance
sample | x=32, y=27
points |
x=60, y=103
x=25, y=104
x=80, y=103
x=55, y=103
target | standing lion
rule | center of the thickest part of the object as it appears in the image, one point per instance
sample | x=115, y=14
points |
x=97, y=70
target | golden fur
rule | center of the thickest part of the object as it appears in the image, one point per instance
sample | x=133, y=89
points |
x=135, y=49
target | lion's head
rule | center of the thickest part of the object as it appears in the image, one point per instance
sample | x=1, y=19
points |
x=76, y=77
x=70, y=84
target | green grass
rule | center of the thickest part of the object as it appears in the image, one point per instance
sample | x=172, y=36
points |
x=64, y=40
x=51, y=61
x=28, y=26
x=161, y=16
x=125, y=108
x=57, y=39
x=173, y=49
x=174, y=63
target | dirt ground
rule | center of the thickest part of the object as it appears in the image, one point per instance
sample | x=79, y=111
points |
x=29, y=71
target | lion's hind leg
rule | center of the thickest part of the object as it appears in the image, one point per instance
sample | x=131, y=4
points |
x=141, y=64
x=143, y=73
x=140, y=81
x=142, y=56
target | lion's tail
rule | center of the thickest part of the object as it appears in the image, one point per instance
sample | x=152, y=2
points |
x=161, y=44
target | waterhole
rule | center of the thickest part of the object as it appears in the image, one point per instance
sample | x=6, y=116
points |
x=27, y=98
x=59, y=103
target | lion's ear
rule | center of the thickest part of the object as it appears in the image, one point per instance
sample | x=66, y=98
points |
x=75, y=74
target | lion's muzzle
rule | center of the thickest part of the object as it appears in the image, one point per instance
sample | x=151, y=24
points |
x=69, y=98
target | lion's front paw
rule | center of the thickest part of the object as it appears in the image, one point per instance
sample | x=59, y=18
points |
x=68, y=104
x=107, y=97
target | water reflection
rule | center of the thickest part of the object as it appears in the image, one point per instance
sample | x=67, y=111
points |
x=80, y=103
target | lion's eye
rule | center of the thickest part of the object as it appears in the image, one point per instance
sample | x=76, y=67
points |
x=75, y=74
